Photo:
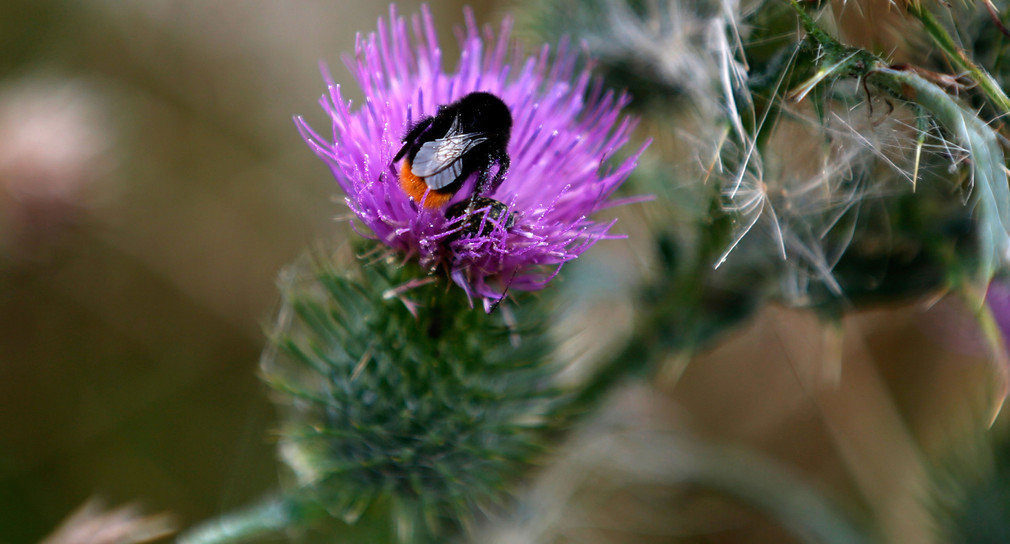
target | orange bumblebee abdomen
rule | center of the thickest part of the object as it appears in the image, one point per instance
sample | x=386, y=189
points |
x=415, y=187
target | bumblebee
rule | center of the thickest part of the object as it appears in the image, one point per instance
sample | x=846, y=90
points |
x=441, y=152
x=477, y=216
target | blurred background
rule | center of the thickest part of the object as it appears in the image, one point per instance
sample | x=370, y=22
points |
x=152, y=186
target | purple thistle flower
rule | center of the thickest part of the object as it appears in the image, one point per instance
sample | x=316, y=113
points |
x=564, y=128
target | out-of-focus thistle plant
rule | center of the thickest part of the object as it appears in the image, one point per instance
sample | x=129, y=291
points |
x=975, y=507
x=958, y=131
x=795, y=167
x=837, y=176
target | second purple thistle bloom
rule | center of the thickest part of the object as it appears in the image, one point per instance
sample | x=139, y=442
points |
x=499, y=207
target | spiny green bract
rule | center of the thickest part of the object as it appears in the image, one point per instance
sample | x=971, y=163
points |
x=433, y=411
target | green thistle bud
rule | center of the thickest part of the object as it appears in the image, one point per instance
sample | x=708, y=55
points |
x=393, y=390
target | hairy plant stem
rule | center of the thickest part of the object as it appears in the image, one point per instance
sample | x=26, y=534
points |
x=271, y=515
x=945, y=42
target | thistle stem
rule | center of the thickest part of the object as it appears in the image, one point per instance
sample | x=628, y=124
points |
x=801, y=509
x=271, y=515
x=944, y=41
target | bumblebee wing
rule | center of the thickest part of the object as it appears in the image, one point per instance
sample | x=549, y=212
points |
x=445, y=177
x=437, y=155
x=438, y=161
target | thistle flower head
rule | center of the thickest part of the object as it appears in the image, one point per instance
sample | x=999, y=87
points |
x=564, y=127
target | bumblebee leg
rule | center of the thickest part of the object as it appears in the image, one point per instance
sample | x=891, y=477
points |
x=401, y=152
x=483, y=185
x=504, y=162
x=478, y=189
x=411, y=138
